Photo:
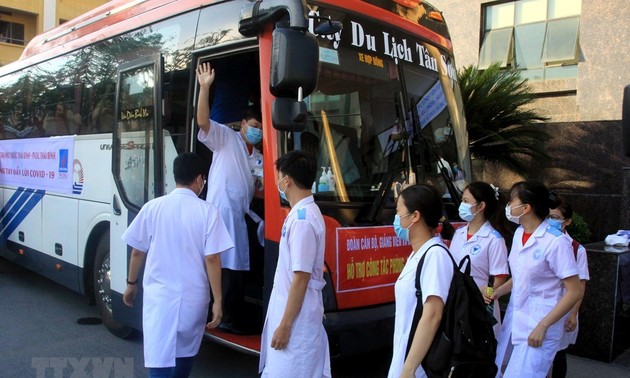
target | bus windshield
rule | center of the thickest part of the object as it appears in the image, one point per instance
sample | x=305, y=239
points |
x=382, y=109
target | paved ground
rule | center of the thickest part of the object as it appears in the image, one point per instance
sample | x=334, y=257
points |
x=38, y=327
x=579, y=367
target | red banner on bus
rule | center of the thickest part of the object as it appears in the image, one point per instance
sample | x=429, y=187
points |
x=369, y=257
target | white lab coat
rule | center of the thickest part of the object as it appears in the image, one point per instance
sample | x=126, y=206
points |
x=488, y=256
x=176, y=231
x=301, y=249
x=230, y=188
x=569, y=338
x=435, y=279
x=538, y=268
x=255, y=160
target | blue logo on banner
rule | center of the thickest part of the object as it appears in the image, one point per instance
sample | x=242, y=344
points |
x=63, y=160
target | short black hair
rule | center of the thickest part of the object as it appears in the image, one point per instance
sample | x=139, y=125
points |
x=252, y=112
x=299, y=166
x=186, y=167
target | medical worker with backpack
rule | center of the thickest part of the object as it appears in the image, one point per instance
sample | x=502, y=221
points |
x=482, y=237
x=418, y=212
x=542, y=265
x=560, y=218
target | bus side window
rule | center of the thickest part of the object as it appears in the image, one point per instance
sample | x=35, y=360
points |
x=61, y=120
x=1, y=126
x=20, y=124
x=13, y=122
x=102, y=116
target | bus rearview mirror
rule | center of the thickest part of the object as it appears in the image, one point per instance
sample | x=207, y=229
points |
x=294, y=62
x=288, y=114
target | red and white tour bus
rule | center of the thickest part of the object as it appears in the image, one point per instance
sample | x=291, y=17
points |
x=95, y=111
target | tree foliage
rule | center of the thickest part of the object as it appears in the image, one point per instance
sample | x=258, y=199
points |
x=502, y=127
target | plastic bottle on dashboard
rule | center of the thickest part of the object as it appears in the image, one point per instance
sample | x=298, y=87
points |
x=331, y=180
x=323, y=181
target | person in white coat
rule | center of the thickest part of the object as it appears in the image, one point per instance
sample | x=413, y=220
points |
x=180, y=238
x=542, y=263
x=418, y=212
x=481, y=238
x=232, y=176
x=294, y=342
x=560, y=218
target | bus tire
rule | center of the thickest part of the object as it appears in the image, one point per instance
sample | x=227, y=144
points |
x=103, y=291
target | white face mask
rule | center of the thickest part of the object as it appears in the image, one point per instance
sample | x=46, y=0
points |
x=510, y=217
x=203, y=186
x=282, y=194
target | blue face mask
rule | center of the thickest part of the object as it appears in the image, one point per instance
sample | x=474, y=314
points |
x=401, y=232
x=465, y=213
x=253, y=135
x=555, y=223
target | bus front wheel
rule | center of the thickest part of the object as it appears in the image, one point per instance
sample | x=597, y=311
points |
x=103, y=290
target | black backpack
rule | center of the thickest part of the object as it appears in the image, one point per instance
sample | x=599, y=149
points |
x=464, y=344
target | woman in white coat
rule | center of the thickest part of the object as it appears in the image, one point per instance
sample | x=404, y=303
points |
x=418, y=211
x=481, y=238
x=542, y=263
x=560, y=218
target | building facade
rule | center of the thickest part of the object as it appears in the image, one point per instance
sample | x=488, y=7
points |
x=21, y=20
x=574, y=53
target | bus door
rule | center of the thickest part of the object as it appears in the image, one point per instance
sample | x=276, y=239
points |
x=138, y=165
x=238, y=63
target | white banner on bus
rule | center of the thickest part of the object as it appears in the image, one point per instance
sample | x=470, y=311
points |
x=431, y=105
x=42, y=163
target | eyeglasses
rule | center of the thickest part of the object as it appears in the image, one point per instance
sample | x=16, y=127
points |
x=405, y=216
x=556, y=217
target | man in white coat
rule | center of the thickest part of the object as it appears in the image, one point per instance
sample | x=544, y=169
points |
x=294, y=340
x=232, y=177
x=180, y=238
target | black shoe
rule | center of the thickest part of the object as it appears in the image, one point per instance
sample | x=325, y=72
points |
x=230, y=328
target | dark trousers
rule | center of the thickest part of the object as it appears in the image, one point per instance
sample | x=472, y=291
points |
x=233, y=285
x=182, y=368
x=560, y=364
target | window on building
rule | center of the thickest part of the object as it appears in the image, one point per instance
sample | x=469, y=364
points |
x=537, y=37
x=11, y=32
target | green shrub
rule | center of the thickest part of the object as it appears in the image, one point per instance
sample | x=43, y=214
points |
x=578, y=229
